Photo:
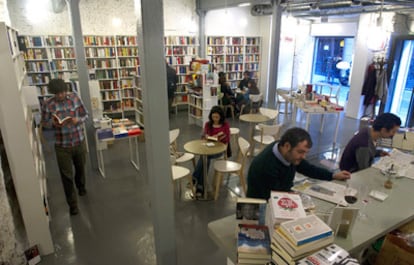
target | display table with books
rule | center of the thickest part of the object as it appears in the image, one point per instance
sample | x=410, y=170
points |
x=383, y=216
x=113, y=132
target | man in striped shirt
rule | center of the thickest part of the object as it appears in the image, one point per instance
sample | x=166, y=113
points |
x=65, y=113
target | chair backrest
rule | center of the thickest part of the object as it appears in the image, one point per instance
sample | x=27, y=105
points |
x=244, y=147
x=256, y=98
x=174, y=135
x=271, y=113
x=272, y=130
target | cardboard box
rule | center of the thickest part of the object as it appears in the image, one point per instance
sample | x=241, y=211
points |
x=395, y=251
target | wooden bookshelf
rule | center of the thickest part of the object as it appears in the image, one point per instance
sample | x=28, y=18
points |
x=179, y=51
x=233, y=55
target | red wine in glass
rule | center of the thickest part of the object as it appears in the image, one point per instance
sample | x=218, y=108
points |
x=351, y=199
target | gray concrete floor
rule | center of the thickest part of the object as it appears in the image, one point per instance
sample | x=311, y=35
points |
x=115, y=222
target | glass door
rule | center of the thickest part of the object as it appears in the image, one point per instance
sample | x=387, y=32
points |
x=402, y=82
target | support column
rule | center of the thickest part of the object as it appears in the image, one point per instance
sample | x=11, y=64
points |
x=150, y=31
x=83, y=77
x=274, y=53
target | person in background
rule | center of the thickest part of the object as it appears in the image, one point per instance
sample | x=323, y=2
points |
x=228, y=95
x=361, y=150
x=216, y=126
x=172, y=80
x=275, y=167
x=70, y=143
x=243, y=97
x=246, y=78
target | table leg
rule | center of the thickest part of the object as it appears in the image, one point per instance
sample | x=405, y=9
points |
x=337, y=127
x=101, y=165
x=294, y=114
x=307, y=121
x=205, y=176
x=251, y=139
x=134, y=162
x=322, y=123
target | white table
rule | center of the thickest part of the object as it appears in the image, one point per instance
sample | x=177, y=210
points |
x=312, y=110
x=385, y=216
x=101, y=144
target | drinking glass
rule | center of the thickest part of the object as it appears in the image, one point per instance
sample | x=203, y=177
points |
x=351, y=194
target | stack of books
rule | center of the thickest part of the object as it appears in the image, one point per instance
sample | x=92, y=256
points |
x=296, y=239
x=253, y=244
x=283, y=206
x=330, y=255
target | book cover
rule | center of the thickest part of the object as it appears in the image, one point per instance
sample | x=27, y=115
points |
x=253, y=239
x=32, y=255
x=294, y=251
x=245, y=261
x=285, y=206
x=305, y=229
x=250, y=211
x=212, y=138
x=61, y=120
x=330, y=255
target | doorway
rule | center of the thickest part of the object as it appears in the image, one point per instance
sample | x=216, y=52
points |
x=401, y=101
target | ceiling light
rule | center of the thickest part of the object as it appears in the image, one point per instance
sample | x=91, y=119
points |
x=244, y=4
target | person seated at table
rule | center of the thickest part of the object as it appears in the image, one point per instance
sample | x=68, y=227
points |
x=243, y=83
x=360, y=151
x=228, y=95
x=275, y=167
x=243, y=97
x=218, y=127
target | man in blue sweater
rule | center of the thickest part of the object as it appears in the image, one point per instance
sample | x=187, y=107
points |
x=360, y=151
x=275, y=167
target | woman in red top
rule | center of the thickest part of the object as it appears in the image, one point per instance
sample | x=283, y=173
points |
x=217, y=127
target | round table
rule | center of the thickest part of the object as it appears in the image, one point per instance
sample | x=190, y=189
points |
x=253, y=119
x=205, y=148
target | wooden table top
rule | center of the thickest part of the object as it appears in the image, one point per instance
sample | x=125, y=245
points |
x=254, y=117
x=201, y=147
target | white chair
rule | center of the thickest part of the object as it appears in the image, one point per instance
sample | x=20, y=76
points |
x=268, y=134
x=280, y=99
x=227, y=167
x=179, y=172
x=180, y=157
x=255, y=102
x=271, y=113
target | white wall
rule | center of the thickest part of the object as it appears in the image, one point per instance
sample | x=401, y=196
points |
x=4, y=12
x=180, y=17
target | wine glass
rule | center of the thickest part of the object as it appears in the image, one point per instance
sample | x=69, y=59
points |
x=350, y=194
x=364, y=196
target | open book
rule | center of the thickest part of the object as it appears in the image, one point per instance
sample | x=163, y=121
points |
x=61, y=121
x=212, y=138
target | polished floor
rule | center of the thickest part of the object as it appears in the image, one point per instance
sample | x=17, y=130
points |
x=114, y=225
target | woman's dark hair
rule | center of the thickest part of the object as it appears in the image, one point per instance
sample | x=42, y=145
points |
x=56, y=86
x=220, y=111
x=294, y=136
x=387, y=121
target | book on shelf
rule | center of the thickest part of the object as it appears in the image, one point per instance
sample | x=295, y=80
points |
x=294, y=251
x=254, y=239
x=61, y=120
x=305, y=229
x=330, y=255
x=284, y=206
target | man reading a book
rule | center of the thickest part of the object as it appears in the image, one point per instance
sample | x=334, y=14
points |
x=275, y=167
x=361, y=150
x=65, y=113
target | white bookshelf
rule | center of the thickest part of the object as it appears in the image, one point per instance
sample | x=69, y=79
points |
x=22, y=143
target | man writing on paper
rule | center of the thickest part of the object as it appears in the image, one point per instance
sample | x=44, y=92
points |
x=70, y=143
x=360, y=151
x=275, y=167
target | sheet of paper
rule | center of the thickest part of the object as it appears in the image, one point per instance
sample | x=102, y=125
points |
x=402, y=163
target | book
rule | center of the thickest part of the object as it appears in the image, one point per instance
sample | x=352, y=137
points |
x=63, y=120
x=324, y=190
x=32, y=255
x=305, y=229
x=330, y=255
x=285, y=206
x=212, y=138
x=250, y=211
x=278, y=250
x=278, y=238
x=253, y=261
x=254, y=239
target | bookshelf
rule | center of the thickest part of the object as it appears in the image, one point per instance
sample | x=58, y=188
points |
x=139, y=110
x=202, y=98
x=234, y=55
x=179, y=51
x=22, y=137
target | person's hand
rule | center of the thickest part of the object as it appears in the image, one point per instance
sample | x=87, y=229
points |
x=342, y=175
